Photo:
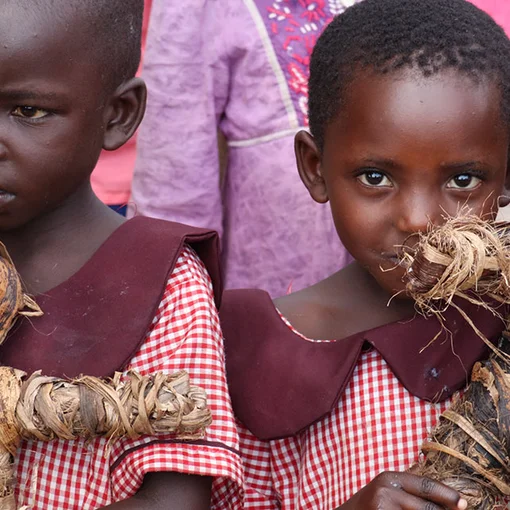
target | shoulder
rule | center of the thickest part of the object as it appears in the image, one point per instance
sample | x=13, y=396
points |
x=189, y=268
x=185, y=328
x=251, y=327
x=167, y=240
x=266, y=359
x=189, y=291
x=247, y=313
x=251, y=313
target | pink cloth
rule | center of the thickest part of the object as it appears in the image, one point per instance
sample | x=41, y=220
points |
x=242, y=67
x=498, y=9
x=111, y=179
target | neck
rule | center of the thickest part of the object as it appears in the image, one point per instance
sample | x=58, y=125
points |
x=49, y=249
x=384, y=307
x=346, y=303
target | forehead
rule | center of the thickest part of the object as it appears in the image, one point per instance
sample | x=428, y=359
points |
x=408, y=109
x=42, y=35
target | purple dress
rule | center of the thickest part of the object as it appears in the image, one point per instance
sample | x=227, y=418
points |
x=241, y=67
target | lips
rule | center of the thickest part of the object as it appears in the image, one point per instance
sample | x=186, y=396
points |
x=393, y=258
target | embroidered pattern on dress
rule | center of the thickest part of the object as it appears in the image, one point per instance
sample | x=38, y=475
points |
x=294, y=27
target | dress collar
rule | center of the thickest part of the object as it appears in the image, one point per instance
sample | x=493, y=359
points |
x=281, y=383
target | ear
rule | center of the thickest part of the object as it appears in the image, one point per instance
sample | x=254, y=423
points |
x=309, y=166
x=124, y=113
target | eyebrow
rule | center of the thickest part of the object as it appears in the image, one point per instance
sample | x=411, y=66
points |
x=23, y=95
x=386, y=162
x=392, y=164
x=460, y=165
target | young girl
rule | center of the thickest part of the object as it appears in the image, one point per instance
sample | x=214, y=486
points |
x=337, y=387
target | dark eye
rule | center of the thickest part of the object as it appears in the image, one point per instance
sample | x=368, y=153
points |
x=464, y=181
x=374, y=178
x=29, y=112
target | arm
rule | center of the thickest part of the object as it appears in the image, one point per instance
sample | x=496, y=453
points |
x=177, y=172
x=169, y=491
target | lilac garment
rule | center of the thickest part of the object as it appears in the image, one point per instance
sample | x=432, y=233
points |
x=240, y=66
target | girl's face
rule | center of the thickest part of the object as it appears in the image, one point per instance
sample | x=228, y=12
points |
x=405, y=151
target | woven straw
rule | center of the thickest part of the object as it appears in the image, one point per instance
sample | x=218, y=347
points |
x=13, y=301
x=45, y=408
x=466, y=258
x=468, y=450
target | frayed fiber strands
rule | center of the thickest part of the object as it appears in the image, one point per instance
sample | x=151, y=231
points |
x=13, y=301
x=469, y=448
x=466, y=257
x=45, y=408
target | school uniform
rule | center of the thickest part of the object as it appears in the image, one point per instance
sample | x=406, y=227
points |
x=143, y=302
x=318, y=420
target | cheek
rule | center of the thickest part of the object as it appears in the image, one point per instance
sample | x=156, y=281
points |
x=359, y=223
x=484, y=205
x=59, y=152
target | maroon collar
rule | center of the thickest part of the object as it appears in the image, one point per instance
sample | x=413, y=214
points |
x=95, y=321
x=281, y=383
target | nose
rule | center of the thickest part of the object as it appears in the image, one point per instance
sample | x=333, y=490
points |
x=416, y=211
x=3, y=151
x=3, y=144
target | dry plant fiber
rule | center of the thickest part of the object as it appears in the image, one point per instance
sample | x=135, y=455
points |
x=13, y=301
x=45, y=408
x=466, y=257
x=469, y=448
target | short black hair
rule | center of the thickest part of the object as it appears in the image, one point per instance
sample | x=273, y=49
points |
x=387, y=35
x=119, y=27
x=114, y=31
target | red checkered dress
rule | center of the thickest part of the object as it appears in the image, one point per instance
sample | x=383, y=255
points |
x=376, y=426
x=185, y=335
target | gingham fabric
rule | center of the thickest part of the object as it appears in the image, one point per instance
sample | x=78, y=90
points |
x=185, y=335
x=376, y=426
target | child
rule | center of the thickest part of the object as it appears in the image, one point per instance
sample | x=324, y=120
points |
x=116, y=295
x=337, y=387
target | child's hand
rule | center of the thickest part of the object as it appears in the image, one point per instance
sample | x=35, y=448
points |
x=393, y=491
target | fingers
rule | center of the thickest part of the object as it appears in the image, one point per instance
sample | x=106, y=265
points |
x=415, y=491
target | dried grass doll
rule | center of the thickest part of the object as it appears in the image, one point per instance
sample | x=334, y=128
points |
x=469, y=448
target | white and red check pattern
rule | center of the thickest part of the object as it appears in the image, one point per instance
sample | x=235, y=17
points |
x=185, y=335
x=376, y=426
